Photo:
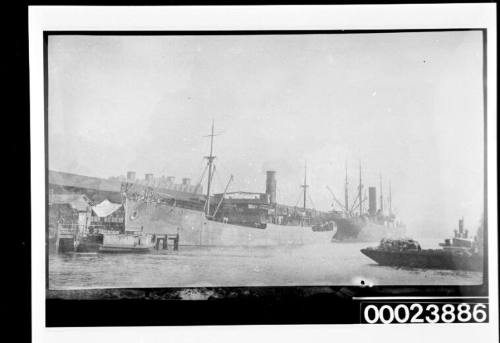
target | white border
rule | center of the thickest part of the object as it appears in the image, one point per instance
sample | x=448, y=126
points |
x=253, y=18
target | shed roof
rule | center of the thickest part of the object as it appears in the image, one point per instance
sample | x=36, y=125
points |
x=105, y=208
x=78, y=202
x=94, y=183
x=81, y=181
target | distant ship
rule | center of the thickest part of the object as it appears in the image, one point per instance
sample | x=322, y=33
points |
x=457, y=253
x=353, y=224
x=226, y=219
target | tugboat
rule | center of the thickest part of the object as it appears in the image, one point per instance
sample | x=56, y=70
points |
x=457, y=253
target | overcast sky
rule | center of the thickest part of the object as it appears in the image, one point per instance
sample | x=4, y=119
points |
x=409, y=106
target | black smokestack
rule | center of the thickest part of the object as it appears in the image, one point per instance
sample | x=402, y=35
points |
x=271, y=186
x=372, y=200
x=149, y=177
x=131, y=176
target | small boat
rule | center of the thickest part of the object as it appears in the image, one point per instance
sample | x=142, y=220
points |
x=328, y=226
x=124, y=249
x=90, y=243
x=127, y=243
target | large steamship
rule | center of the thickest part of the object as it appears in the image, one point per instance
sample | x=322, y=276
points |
x=355, y=224
x=225, y=219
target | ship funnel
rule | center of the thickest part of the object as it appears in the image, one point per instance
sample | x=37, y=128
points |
x=271, y=186
x=372, y=201
x=461, y=225
x=130, y=175
x=149, y=177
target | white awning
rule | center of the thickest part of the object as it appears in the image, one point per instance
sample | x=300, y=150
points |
x=105, y=208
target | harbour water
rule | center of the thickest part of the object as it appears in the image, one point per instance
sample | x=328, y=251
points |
x=312, y=265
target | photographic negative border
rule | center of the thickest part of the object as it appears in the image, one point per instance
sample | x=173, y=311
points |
x=239, y=305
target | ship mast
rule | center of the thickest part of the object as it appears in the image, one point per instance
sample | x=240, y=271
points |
x=346, y=191
x=381, y=197
x=390, y=200
x=210, y=159
x=305, y=185
x=360, y=190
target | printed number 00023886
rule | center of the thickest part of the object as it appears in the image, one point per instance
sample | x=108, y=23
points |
x=394, y=313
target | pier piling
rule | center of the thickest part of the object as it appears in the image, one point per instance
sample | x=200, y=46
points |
x=65, y=239
x=162, y=240
x=176, y=242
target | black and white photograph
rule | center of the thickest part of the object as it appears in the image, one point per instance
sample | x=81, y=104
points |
x=213, y=164
x=265, y=160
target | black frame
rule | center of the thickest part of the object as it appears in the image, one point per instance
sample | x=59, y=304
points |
x=237, y=305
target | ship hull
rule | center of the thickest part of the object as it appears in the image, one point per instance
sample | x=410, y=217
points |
x=123, y=249
x=347, y=228
x=195, y=230
x=361, y=230
x=428, y=259
x=90, y=243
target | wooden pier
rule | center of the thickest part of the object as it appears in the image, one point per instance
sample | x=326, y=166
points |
x=162, y=240
x=66, y=237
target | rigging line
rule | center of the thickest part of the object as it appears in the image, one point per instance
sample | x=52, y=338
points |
x=300, y=197
x=312, y=202
x=198, y=185
x=222, y=197
x=203, y=166
x=219, y=179
x=278, y=195
x=362, y=202
x=203, y=174
x=211, y=182
x=355, y=204
x=213, y=177
x=156, y=182
x=336, y=204
x=163, y=170
x=207, y=200
x=222, y=168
